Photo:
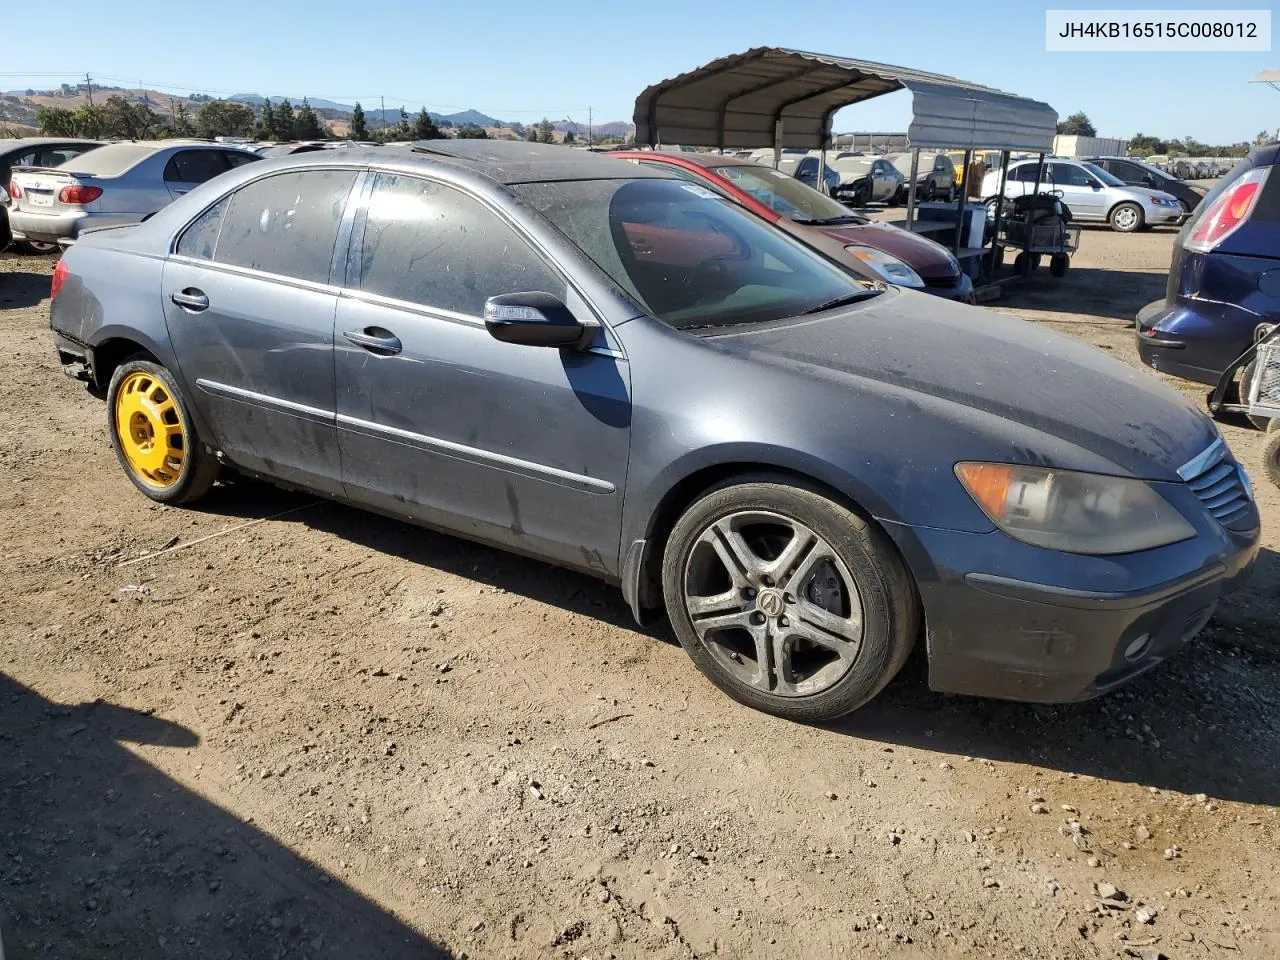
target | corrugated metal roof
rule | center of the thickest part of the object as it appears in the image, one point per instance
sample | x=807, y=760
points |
x=735, y=102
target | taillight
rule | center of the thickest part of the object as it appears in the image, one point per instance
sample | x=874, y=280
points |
x=15, y=191
x=59, y=278
x=79, y=194
x=1228, y=212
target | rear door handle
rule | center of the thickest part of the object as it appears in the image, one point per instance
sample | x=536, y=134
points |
x=190, y=299
x=375, y=340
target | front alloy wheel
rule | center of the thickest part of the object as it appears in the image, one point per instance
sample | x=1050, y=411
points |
x=787, y=600
x=773, y=603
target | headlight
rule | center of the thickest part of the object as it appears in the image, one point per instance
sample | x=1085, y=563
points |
x=1162, y=202
x=1073, y=512
x=889, y=267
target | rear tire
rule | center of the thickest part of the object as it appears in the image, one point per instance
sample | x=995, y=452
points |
x=1058, y=264
x=1126, y=218
x=154, y=437
x=810, y=639
x=35, y=248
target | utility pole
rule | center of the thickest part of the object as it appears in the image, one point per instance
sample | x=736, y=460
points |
x=383, y=113
x=590, y=128
x=89, y=83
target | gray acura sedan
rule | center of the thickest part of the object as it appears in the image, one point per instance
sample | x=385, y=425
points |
x=615, y=370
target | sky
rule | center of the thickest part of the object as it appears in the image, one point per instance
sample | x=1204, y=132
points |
x=525, y=59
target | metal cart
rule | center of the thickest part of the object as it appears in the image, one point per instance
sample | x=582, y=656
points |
x=1258, y=393
x=1038, y=224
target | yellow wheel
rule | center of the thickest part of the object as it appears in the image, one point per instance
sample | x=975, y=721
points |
x=150, y=429
x=154, y=438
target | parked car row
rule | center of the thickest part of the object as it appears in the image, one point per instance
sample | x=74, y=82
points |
x=617, y=368
x=119, y=183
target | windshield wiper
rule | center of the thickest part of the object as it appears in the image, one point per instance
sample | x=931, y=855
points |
x=828, y=221
x=847, y=299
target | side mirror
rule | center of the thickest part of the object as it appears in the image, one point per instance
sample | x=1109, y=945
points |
x=534, y=319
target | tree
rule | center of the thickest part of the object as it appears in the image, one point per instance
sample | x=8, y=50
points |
x=267, y=122
x=283, y=122
x=569, y=137
x=130, y=121
x=403, y=131
x=56, y=122
x=307, y=126
x=182, y=123
x=1078, y=124
x=469, y=131
x=359, y=130
x=424, y=127
x=532, y=135
x=226, y=118
x=546, y=132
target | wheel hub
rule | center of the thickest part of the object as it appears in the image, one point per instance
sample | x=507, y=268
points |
x=770, y=603
x=150, y=430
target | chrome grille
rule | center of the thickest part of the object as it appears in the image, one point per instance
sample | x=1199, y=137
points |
x=1219, y=483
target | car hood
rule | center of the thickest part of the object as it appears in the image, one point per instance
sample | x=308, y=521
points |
x=997, y=364
x=925, y=257
x=1145, y=192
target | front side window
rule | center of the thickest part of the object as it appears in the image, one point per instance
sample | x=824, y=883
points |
x=690, y=258
x=1066, y=175
x=433, y=245
x=195, y=166
x=286, y=224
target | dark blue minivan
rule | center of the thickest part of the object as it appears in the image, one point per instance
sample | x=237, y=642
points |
x=1224, y=280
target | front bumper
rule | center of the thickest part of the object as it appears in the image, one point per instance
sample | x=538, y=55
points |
x=1162, y=215
x=950, y=288
x=1016, y=622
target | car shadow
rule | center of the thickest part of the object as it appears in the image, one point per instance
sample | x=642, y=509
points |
x=20, y=288
x=1206, y=721
x=1095, y=291
x=105, y=856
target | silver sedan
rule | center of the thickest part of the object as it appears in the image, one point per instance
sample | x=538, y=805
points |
x=117, y=184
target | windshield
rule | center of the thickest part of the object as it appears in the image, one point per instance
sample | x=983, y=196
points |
x=902, y=163
x=1110, y=179
x=785, y=195
x=689, y=257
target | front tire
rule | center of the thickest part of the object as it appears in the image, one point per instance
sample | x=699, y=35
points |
x=786, y=600
x=154, y=437
x=1126, y=218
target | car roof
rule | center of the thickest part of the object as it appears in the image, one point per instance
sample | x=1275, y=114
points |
x=502, y=161
x=23, y=143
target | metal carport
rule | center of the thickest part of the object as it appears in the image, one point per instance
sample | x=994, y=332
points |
x=776, y=97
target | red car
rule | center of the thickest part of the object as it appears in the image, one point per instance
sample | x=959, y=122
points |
x=872, y=249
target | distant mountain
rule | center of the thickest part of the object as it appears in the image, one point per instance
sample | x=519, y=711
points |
x=257, y=100
x=474, y=117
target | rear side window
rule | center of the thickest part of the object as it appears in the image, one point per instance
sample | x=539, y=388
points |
x=195, y=166
x=52, y=156
x=286, y=224
x=430, y=244
x=200, y=240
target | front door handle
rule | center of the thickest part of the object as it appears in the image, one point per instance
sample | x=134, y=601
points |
x=190, y=299
x=375, y=340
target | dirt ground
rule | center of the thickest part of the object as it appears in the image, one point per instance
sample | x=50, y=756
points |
x=327, y=734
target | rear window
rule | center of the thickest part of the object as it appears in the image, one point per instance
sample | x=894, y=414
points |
x=111, y=160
